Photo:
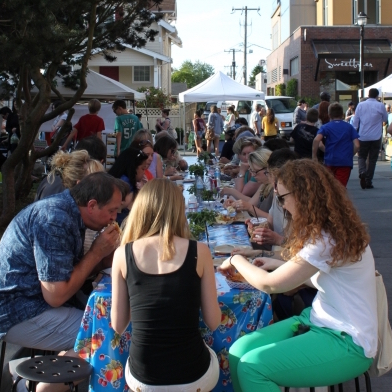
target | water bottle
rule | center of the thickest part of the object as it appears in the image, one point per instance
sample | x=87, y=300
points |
x=192, y=203
x=199, y=190
x=218, y=177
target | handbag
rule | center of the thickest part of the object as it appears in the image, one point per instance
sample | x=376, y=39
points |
x=210, y=132
x=383, y=360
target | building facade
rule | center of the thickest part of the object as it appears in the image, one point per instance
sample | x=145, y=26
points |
x=149, y=66
x=324, y=56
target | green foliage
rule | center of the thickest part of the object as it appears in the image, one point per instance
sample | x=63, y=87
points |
x=192, y=73
x=196, y=169
x=204, y=157
x=255, y=71
x=280, y=89
x=155, y=98
x=42, y=39
x=292, y=88
x=199, y=220
x=311, y=101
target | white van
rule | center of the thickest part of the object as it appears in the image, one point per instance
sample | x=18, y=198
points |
x=283, y=107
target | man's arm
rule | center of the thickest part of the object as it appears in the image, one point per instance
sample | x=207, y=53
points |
x=118, y=141
x=57, y=293
x=99, y=135
x=356, y=146
x=316, y=143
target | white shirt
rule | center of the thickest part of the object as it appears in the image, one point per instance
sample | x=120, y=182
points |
x=346, y=298
x=256, y=118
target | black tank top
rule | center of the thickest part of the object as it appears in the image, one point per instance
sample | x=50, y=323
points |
x=166, y=348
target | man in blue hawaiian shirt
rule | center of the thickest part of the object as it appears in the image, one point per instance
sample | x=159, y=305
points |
x=42, y=263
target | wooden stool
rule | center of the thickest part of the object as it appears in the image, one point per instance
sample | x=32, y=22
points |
x=53, y=369
x=340, y=386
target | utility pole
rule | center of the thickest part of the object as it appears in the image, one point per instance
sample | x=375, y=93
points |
x=246, y=9
x=233, y=62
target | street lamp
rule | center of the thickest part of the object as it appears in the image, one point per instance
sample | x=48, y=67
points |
x=362, y=20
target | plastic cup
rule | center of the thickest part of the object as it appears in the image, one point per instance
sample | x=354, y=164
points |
x=257, y=223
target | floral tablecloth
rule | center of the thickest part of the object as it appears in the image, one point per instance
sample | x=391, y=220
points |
x=243, y=311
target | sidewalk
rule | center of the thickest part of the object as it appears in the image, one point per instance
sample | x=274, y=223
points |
x=375, y=208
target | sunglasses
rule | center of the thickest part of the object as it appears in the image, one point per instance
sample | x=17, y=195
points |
x=254, y=172
x=144, y=143
x=142, y=154
x=280, y=198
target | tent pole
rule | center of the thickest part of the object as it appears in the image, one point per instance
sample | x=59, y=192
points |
x=183, y=123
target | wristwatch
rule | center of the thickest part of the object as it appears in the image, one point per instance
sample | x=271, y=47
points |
x=241, y=175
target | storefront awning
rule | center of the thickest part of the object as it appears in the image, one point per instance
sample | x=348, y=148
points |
x=350, y=48
x=347, y=48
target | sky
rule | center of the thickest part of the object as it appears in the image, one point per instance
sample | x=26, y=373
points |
x=208, y=27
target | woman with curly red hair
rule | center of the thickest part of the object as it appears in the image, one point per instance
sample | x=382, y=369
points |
x=328, y=247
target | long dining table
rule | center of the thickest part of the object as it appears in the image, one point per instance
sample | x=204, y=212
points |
x=243, y=310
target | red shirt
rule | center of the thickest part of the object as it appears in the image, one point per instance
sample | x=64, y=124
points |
x=89, y=124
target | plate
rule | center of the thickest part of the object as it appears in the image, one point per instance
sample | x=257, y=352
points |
x=224, y=249
x=240, y=285
x=185, y=180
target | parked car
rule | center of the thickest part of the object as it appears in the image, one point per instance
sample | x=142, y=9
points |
x=283, y=107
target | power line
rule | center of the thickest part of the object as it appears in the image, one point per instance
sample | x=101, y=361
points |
x=246, y=9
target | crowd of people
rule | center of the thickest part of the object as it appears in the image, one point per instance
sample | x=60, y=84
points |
x=71, y=232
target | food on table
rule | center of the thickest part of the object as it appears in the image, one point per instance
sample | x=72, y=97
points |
x=237, y=277
x=230, y=210
x=199, y=220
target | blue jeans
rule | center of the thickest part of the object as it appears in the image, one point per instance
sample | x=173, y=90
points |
x=369, y=149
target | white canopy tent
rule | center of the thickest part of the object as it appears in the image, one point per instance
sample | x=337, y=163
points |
x=384, y=88
x=99, y=87
x=220, y=87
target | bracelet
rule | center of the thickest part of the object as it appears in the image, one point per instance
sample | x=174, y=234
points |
x=230, y=260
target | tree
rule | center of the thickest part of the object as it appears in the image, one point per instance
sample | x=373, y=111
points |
x=42, y=39
x=192, y=73
x=155, y=98
x=255, y=71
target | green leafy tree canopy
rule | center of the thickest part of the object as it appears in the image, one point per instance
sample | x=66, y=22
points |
x=192, y=73
x=155, y=98
x=255, y=71
x=42, y=39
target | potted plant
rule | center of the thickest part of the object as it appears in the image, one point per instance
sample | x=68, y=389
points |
x=197, y=170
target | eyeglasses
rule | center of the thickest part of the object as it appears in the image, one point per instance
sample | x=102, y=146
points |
x=144, y=143
x=280, y=198
x=254, y=172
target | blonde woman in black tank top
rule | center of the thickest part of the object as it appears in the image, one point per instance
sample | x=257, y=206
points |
x=161, y=279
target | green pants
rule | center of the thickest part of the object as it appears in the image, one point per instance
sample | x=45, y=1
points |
x=271, y=357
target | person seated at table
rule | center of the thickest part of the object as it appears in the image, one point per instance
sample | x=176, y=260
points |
x=160, y=280
x=67, y=170
x=328, y=247
x=43, y=248
x=166, y=147
x=232, y=168
x=143, y=141
x=129, y=167
x=245, y=183
x=227, y=152
x=262, y=199
x=95, y=147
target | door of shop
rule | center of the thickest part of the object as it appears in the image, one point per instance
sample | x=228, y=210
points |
x=344, y=97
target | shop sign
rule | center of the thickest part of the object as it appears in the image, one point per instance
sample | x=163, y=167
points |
x=353, y=63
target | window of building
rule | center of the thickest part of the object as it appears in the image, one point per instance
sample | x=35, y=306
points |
x=294, y=66
x=325, y=12
x=275, y=36
x=141, y=73
x=370, y=7
x=274, y=75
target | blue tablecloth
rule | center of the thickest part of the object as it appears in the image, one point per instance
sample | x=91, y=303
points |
x=243, y=311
